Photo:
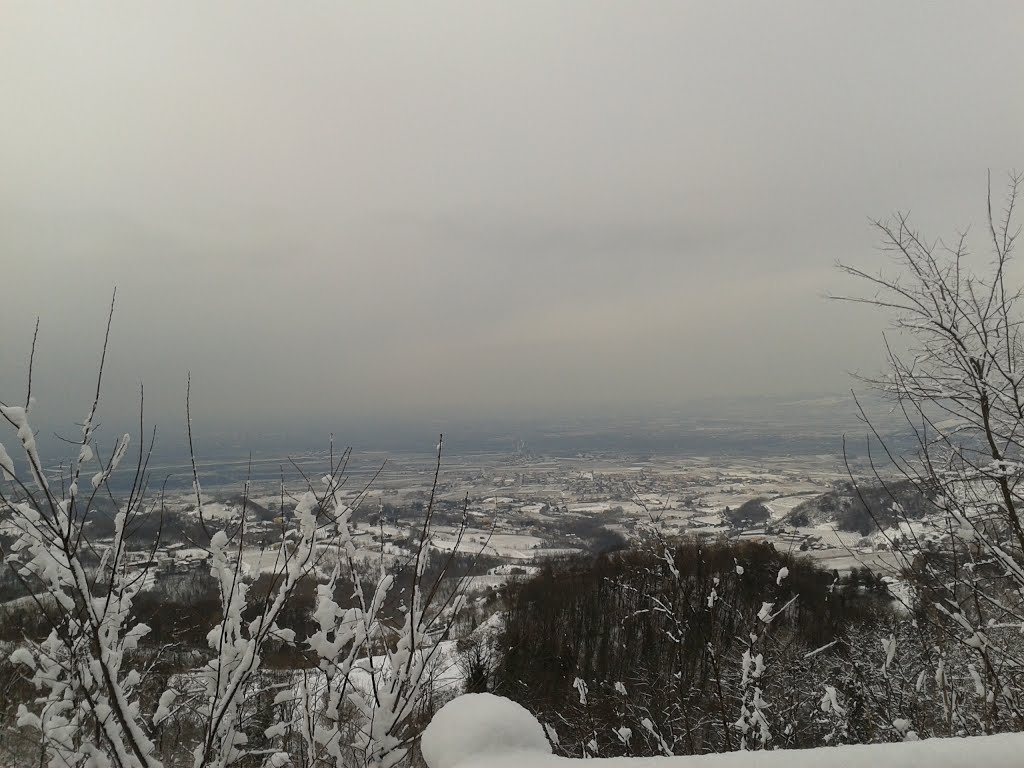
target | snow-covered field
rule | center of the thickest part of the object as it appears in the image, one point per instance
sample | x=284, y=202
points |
x=527, y=504
x=508, y=545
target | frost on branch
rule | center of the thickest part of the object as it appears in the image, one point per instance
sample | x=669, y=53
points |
x=98, y=700
x=957, y=380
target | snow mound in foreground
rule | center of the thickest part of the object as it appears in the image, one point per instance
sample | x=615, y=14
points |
x=480, y=730
x=480, y=724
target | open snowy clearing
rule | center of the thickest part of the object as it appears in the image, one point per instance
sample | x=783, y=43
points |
x=508, y=545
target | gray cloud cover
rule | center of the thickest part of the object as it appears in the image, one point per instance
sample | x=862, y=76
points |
x=356, y=211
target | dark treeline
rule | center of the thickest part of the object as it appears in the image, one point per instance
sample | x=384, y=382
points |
x=659, y=634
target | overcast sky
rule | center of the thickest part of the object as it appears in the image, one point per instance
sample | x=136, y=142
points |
x=348, y=211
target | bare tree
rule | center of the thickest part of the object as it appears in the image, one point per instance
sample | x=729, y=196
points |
x=956, y=374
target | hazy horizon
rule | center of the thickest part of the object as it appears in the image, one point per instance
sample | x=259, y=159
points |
x=448, y=212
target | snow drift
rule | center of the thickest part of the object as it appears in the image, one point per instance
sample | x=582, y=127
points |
x=486, y=731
